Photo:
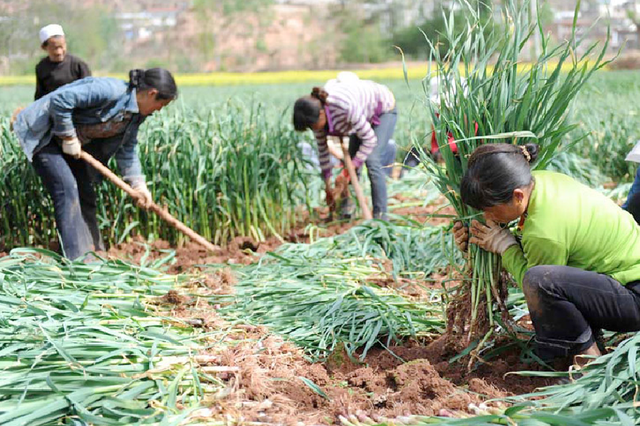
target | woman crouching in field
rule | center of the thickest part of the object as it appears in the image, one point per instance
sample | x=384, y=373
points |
x=578, y=255
x=101, y=116
x=366, y=112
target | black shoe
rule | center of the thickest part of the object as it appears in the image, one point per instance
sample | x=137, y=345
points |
x=347, y=208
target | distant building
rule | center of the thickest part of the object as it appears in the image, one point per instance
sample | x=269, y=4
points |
x=143, y=25
x=593, y=21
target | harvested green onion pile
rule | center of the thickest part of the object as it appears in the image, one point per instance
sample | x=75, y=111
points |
x=522, y=415
x=323, y=295
x=78, y=346
x=412, y=248
x=611, y=381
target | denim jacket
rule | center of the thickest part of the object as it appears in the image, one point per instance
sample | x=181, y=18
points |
x=91, y=100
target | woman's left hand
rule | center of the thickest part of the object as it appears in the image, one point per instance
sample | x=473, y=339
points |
x=491, y=237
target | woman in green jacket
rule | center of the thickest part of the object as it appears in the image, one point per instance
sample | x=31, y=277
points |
x=578, y=255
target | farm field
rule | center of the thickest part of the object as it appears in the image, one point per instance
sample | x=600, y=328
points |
x=293, y=320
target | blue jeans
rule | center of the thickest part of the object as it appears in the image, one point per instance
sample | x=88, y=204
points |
x=389, y=157
x=635, y=189
x=632, y=204
x=374, y=163
x=70, y=184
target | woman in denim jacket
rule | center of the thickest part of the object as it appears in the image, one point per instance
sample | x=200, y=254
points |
x=101, y=116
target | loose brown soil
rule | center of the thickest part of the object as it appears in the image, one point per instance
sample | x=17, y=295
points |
x=240, y=250
x=243, y=250
x=262, y=375
x=431, y=213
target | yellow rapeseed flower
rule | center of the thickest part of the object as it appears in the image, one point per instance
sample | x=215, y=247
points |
x=414, y=72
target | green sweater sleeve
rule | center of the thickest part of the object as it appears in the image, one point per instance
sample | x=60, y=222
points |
x=539, y=251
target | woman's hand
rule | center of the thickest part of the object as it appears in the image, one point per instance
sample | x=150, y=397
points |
x=491, y=237
x=72, y=147
x=144, y=196
x=461, y=236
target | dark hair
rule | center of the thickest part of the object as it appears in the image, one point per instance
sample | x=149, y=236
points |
x=306, y=110
x=46, y=42
x=154, y=78
x=495, y=171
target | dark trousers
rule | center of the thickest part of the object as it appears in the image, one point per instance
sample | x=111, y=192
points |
x=70, y=184
x=568, y=305
x=412, y=158
x=632, y=205
x=377, y=175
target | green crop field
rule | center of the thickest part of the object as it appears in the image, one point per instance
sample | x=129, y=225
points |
x=333, y=329
x=237, y=141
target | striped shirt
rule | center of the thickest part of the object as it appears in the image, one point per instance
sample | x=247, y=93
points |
x=353, y=107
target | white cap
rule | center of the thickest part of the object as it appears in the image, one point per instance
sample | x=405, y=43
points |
x=343, y=77
x=49, y=31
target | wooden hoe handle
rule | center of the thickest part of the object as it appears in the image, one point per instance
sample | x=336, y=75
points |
x=164, y=215
x=366, y=213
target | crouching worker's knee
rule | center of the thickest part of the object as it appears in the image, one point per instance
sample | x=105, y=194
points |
x=535, y=281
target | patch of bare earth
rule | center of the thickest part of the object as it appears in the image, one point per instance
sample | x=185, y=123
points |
x=240, y=250
x=263, y=374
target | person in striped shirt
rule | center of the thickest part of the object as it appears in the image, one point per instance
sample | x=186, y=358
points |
x=366, y=112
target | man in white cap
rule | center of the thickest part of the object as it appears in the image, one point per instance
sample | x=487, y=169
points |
x=57, y=68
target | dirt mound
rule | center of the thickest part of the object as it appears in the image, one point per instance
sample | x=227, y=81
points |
x=173, y=298
x=220, y=281
x=272, y=382
x=489, y=378
x=414, y=388
x=240, y=250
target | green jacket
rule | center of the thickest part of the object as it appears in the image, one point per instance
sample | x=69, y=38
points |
x=571, y=224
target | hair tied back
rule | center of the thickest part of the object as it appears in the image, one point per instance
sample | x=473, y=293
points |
x=320, y=94
x=136, y=77
x=525, y=152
